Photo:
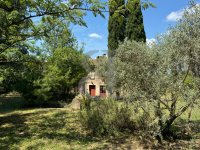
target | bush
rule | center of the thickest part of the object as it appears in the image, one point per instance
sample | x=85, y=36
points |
x=86, y=102
x=107, y=117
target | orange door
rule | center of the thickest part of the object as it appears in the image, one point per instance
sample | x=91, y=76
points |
x=92, y=89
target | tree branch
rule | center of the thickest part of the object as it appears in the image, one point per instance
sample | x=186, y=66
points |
x=56, y=13
x=162, y=102
x=186, y=73
x=186, y=107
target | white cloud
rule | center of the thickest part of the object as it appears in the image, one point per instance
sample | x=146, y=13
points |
x=150, y=42
x=175, y=15
x=95, y=35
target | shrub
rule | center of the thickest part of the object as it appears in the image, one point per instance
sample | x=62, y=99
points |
x=86, y=102
x=107, y=117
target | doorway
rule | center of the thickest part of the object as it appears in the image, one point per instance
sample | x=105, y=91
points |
x=92, y=89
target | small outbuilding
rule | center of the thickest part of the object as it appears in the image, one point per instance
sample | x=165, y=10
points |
x=93, y=85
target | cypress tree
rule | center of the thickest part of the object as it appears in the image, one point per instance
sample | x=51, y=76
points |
x=116, y=25
x=134, y=26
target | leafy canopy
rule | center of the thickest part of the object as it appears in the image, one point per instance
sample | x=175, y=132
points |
x=23, y=20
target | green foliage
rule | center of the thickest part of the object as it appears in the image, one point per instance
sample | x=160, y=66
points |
x=19, y=68
x=116, y=25
x=125, y=21
x=59, y=37
x=134, y=74
x=134, y=26
x=101, y=67
x=85, y=102
x=107, y=117
x=18, y=75
x=164, y=73
x=62, y=72
x=24, y=20
x=50, y=74
x=146, y=4
x=51, y=71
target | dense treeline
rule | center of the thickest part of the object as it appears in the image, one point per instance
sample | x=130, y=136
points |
x=39, y=57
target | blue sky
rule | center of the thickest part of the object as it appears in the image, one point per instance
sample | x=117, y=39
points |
x=156, y=21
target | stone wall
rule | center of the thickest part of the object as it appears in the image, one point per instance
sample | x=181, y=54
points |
x=91, y=79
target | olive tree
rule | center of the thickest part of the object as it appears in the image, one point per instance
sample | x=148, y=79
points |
x=164, y=76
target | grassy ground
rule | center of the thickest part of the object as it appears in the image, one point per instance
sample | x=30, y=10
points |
x=49, y=129
x=59, y=129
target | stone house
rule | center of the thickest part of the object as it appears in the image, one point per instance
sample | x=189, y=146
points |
x=93, y=85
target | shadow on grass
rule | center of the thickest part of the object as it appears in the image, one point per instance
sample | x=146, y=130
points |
x=8, y=104
x=13, y=103
x=12, y=130
x=63, y=125
x=51, y=125
x=57, y=125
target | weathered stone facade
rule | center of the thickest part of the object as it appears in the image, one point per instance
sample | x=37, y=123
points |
x=93, y=85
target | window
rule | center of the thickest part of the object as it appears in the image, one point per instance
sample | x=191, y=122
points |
x=102, y=90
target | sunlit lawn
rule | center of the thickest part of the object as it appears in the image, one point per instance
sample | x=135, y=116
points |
x=42, y=129
x=60, y=129
x=51, y=129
